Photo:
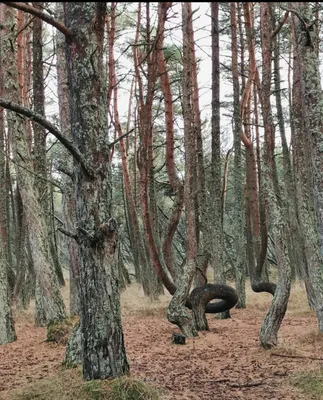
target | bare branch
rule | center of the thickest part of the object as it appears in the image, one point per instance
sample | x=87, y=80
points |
x=67, y=233
x=248, y=384
x=40, y=14
x=121, y=137
x=40, y=119
x=280, y=24
x=297, y=356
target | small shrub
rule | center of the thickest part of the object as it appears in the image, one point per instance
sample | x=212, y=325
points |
x=58, y=331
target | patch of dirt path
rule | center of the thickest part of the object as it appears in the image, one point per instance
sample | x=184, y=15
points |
x=225, y=363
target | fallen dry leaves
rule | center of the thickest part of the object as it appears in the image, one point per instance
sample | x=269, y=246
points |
x=225, y=363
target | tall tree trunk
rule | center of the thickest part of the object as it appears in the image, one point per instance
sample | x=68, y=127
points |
x=104, y=354
x=144, y=162
x=7, y=330
x=54, y=307
x=308, y=113
x=295, y=251
x=135, y=235
x=175, y=183
x=256, y=217
x=275, y=208
x=177, y=312
x=39, y=151
x=68, y=193
x=240, y=264
x=216, y=185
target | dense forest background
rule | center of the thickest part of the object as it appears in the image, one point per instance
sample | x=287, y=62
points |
x=175, y=145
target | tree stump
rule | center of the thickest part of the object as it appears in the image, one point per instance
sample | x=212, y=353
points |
x=178, y=338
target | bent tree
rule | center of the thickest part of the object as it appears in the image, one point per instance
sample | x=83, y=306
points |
x=103, y=351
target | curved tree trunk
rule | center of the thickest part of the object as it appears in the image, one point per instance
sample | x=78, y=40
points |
x=256, y=217
x=201, y=296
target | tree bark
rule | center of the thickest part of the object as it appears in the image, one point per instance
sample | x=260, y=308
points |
x=104, y=354
x=240, y=265
x=177, y=312
x=7, y=330
x=308, y=114
x=216, y=185
x=275, y=202
x=68, y=179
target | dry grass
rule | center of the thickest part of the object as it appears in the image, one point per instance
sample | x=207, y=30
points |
x=310, y=383
x=135, y=303
x=313, y=338
x=297, y=305
x=69, y=385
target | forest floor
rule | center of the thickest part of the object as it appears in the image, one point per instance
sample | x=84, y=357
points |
x=223, y=363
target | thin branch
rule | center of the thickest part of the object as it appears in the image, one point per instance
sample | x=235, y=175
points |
x=54, y=183
x=40, y=14
x=65, y=171
x=40, y=119
x=67, y=233
x=27, y=24
x=280, y=24
x=295, y=356
x=300, y=17
x=248, y=384
x=51, y=146
x=121, y=137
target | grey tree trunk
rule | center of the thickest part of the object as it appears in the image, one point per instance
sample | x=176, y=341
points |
x=295, y=245
x=177, y=312
x=53, y=303
x=275, y=208
x=103, y=348
x=7, y=331
x=39, y=152
x=216, y=183
x=239, y=229
x=66, y=164
x=308, y=120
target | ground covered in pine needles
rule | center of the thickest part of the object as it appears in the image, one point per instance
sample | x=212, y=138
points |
x=225, y=363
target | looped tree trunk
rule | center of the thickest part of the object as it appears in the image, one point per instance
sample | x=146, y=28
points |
x=260, y=287
x=200, y=299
